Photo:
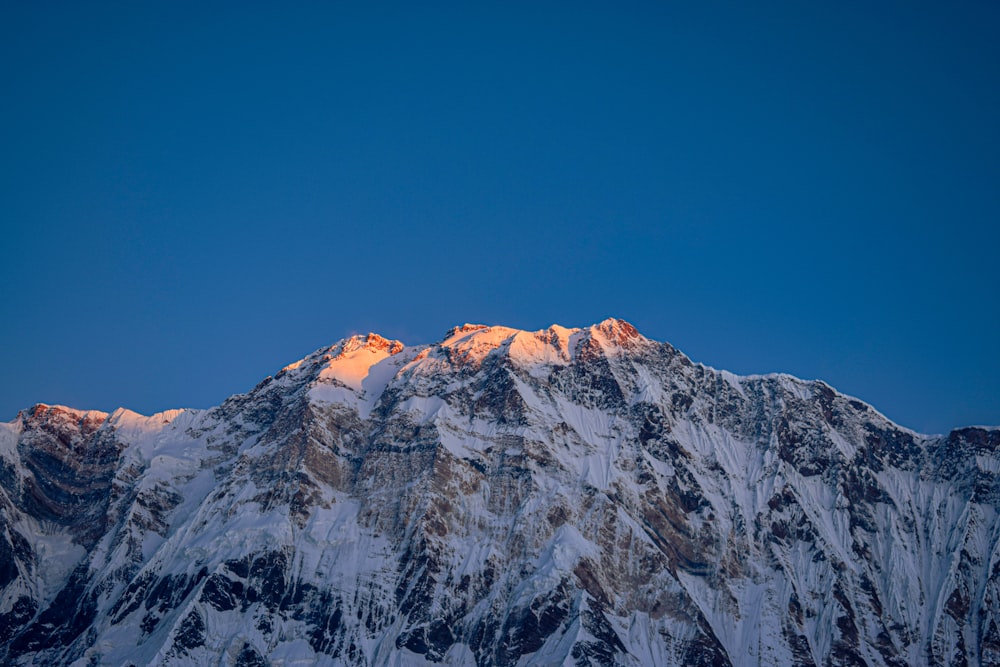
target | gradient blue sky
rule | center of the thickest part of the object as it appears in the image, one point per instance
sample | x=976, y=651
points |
x=193, y=197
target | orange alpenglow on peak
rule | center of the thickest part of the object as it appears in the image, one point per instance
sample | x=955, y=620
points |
x=619, y=331
x=371, y=341
x=465, y=328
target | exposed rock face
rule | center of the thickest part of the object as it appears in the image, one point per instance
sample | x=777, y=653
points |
x=568, y=496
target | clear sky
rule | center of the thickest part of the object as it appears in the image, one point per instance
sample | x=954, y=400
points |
x=193, y=197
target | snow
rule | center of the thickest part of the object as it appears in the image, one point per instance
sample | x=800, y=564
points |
x=8, y=440
x=360, y=373
x=352, y=368
x=293, y=653
x=534, y=353
x=57, y=556
x=473, y=346
x=564, y=551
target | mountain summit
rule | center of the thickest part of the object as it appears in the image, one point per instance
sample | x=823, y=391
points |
x=501, y=497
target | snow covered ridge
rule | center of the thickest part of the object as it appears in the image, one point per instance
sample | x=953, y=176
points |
x=501, y=497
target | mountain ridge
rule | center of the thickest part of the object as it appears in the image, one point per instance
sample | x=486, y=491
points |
x=378, y=340
x=501, y=497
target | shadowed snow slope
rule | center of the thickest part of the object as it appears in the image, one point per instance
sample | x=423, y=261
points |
x=502, y=497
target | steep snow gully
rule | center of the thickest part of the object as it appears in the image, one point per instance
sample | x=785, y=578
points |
x=502, y=497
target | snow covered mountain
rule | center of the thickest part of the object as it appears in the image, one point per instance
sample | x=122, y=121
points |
x=502, y=497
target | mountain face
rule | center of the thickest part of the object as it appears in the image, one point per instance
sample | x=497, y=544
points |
x=561, y=497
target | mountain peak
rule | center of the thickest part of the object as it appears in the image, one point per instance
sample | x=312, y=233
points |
x=350, y=361
x=372, y=342
x=44, y=413
x=618, y=331
x=463, y=329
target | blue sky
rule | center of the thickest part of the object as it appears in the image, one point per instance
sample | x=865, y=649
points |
x=193, y=197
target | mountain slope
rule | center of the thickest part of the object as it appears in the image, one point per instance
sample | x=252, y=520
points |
x=567, y=496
